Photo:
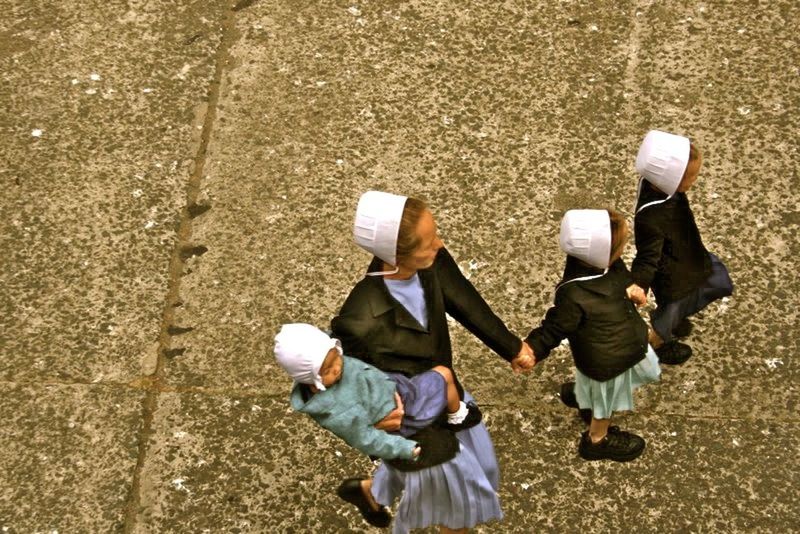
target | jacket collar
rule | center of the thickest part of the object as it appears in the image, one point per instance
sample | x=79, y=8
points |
x=590, y=277
x=381, y=301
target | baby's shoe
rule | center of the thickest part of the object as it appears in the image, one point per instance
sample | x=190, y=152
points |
x=472, y=418
x=673, y=353
x=617, y=445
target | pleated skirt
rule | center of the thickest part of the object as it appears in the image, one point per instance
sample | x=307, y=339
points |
x=459, y=493
x=615, y=395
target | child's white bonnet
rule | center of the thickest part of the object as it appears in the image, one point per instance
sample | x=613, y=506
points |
x=662, y=159
x=586, y=235
x=300, y=349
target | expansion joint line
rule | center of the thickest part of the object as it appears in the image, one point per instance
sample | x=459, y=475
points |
x=153, y=384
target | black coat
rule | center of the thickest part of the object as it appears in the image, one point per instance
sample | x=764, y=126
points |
x=606, y=333
x=670, y=255
x=374, y=327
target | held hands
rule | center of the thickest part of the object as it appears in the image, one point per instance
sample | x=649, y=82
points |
x=637, y=295
x=525, y=360
x=392, y=421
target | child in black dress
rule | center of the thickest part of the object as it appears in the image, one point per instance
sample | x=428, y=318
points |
x=670, y=256
x=595, y=310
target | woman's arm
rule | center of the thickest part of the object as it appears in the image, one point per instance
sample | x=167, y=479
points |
x=464, y=304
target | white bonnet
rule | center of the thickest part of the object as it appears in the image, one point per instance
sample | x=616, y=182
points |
x=586, y=235
x=662, y=159
x=300, y=349
x=377, y=224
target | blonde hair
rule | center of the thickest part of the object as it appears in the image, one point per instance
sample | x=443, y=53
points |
x=407, y=238
x=619, y=233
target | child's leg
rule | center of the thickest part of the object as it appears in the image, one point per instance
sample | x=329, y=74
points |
x=598, y=429
x=453, y=399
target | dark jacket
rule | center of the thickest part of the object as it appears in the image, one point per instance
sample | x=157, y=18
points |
x=670, y=256
x=374, y=327
x=606, y=334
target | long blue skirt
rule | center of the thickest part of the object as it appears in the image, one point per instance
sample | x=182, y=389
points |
x=665, y=318
x=459, y=493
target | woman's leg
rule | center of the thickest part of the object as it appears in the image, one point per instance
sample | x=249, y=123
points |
x=453, y=399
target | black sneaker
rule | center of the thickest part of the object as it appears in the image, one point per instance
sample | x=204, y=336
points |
x=351, y=491
x=567, y=395
x=683, y=329
x=673, y=353
x=473, y=417
x=617, y=445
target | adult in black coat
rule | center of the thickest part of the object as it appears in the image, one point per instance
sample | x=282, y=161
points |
x=375, y=327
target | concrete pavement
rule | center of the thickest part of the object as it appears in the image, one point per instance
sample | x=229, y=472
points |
x=180, y=180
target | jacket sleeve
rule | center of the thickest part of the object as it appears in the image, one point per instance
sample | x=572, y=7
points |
x=649, y=243
x=464, y=304
x=562, y=319
x=354, y=427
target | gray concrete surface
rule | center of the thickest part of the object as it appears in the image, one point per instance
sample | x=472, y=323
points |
x=179, y=179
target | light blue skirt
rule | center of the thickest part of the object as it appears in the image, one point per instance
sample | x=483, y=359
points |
x=615, y=395
x=459, y=493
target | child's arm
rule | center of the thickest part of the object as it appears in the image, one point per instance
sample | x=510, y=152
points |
x=354, y=427
x=649, y=243
x=560, y=321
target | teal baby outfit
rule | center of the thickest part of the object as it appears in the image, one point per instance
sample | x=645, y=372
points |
x=349, y=408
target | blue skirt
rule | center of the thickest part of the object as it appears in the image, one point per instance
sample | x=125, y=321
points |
x=459, y=493
x=668, y=315
x=615, y=395
x=424, y=399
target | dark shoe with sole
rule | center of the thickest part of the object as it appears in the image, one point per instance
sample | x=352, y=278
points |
x=351, y=491
x=683, y=329
x=673, y=353
x=617, y=445
x=473, y=417
x=567, y=395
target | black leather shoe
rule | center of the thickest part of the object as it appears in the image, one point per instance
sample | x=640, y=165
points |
x=683, y=329
x=673, y=353
x=473, y=417
x=350, y=490
x=617, y=445
x=567, y=394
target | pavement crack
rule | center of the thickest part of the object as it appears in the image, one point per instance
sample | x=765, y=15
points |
x=184, y=250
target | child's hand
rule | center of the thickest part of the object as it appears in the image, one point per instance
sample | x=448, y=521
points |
x=391, y=422
x=417, y=451
x=524, y=361
x=636, y=295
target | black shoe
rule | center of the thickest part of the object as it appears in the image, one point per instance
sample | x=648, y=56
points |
x=617, y=445
x=673, y=353
x=567, y=394
x=683, y=329
x=350, y=490
x=473, y=417
x=585, y=415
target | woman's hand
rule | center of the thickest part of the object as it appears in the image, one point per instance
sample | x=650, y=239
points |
x=525, y=360
x=392, y=421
